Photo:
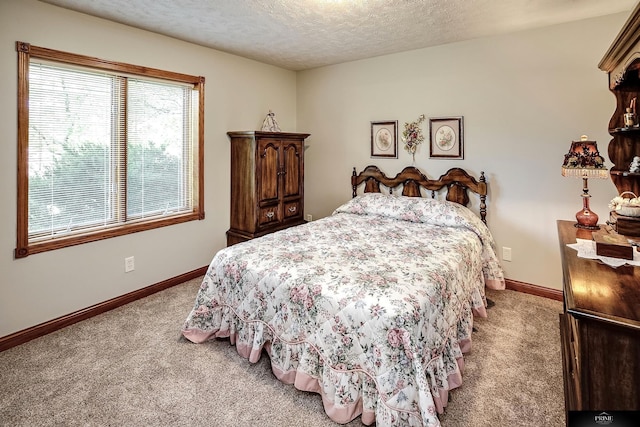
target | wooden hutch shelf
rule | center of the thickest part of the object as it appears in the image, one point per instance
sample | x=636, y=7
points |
x=622, y=64
x=625, y=131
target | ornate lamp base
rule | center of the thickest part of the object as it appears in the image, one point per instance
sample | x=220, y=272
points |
x=586, y=218
x=587, y=226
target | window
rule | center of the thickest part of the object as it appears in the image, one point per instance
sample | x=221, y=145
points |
x=104, y=149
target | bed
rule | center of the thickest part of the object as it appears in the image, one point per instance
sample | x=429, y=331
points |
x=372, y=307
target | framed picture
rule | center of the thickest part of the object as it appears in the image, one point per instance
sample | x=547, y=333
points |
x=446, y=138
x=384, y=139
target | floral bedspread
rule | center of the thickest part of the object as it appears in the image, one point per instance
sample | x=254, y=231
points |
x=371, y=307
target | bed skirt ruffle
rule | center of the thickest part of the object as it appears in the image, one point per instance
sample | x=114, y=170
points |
x=349, y=393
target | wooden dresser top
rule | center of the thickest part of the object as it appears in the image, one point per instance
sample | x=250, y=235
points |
x=594, y=290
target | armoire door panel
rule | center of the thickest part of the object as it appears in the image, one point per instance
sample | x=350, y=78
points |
x=292, y=154
x=269, y=170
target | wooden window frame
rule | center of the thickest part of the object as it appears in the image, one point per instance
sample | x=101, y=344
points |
x=25, y=248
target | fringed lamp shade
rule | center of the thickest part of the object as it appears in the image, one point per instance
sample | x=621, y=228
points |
x=584, y=161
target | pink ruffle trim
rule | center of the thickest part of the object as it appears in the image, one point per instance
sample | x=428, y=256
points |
x=251, y=348
x=497, y=284
x=341, y=415
x=302, y=381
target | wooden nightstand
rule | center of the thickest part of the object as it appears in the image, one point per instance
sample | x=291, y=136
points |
x=599, y=330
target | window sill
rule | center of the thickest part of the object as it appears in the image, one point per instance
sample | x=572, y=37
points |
x=78, y=239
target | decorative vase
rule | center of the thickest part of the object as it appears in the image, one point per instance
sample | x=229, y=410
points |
x=412, y=150
x=586, y=217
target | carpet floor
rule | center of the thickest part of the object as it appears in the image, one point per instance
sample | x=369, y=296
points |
x=131, y=367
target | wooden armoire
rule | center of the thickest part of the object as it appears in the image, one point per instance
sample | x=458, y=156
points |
x=267, y=183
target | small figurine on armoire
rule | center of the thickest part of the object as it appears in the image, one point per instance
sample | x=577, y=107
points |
x=270, y=124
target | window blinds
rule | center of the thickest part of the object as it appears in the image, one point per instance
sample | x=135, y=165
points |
x=106, y=149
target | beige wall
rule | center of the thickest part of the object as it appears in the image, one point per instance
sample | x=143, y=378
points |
x=524, y=97
x=239, y=93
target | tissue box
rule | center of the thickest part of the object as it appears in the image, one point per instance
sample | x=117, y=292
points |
x=611, y=244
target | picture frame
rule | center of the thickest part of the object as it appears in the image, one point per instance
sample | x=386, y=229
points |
x=446, y=137
x=384, y=139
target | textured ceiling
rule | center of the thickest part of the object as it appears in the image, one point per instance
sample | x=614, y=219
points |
x=303, y=34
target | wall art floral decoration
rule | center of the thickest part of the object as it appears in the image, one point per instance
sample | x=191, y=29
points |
x=412, y=136
x=446, y=134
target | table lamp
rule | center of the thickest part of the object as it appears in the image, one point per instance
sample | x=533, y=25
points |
x=584, y=161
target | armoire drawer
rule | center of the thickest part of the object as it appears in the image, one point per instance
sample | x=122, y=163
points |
x=269, y=215
x=292, y=209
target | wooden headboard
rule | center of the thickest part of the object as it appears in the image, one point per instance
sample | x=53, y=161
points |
x=456, y=181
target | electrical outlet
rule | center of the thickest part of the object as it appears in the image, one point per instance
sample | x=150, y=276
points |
x=506, y=253
x=308, y=217
x=129, y=264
